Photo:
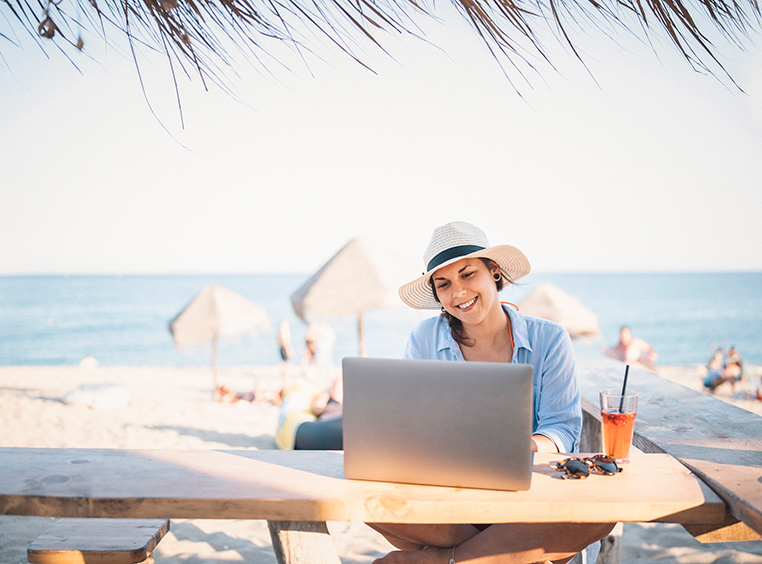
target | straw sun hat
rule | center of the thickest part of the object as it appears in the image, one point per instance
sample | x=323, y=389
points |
x=451, y=243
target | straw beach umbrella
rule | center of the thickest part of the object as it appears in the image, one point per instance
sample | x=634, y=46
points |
x=363, y=275
x=217, y=313
x=551, y=302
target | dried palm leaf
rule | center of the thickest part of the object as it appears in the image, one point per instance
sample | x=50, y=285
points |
x=204, y=32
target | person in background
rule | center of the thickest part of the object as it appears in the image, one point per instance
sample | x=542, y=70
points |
x=733, y=364
x=284, y=342
x=310, y=417
x=310, y=347
x=260, y=394
x=719, y=372
x=633, y=351
x=326, y=341
x=319, y=342
x=286, y=350
x=733, y=358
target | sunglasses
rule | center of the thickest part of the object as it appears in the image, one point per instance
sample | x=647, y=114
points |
x=579, y=468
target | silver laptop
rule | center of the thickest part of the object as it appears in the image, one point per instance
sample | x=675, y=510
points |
x=461, y=424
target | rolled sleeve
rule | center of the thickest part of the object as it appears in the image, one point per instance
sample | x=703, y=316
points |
x=558, y=413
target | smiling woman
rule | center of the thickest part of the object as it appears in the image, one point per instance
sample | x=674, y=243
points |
x=464, y=275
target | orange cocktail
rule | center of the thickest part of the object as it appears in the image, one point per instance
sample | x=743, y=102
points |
x=618, y=420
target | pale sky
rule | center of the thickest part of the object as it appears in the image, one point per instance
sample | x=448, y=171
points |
x=655, y=167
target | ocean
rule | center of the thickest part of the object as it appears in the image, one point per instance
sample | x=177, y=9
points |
x=123, y=320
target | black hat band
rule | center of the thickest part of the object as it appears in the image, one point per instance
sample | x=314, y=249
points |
x=451, y=253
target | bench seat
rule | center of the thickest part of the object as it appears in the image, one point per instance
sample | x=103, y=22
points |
x=101, y=541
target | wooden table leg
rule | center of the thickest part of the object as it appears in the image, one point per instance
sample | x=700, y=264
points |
x=302, y=542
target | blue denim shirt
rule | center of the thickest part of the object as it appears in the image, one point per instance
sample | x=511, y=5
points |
x=539, y=342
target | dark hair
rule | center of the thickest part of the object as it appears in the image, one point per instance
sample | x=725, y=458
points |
x=456, y=325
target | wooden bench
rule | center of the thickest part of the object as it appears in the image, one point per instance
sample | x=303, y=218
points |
x=717, y=441
x=101, y=541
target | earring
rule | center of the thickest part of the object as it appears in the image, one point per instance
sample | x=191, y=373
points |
x=497, y=276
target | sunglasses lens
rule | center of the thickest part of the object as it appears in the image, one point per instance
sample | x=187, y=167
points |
x=574, y=468
x=607, y=468
x=605, y=465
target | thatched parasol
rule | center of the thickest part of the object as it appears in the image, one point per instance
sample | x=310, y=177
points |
x=217, y=313
x=205, y=34
x=363, y=275
x=551, y=302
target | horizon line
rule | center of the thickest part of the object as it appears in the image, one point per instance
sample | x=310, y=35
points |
x=750, y=270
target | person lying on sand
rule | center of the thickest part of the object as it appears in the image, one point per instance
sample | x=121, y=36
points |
x=223, y=394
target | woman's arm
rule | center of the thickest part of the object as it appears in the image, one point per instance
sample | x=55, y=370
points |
x=541, y=443
x=559, y=413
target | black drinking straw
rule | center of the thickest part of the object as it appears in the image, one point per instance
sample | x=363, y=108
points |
x=624, y=388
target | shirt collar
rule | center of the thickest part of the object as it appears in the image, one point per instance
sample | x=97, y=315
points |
x=518, y=323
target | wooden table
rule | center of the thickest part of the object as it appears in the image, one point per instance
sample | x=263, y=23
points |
x=298, y=491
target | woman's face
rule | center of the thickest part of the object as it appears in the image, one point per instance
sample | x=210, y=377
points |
x=466, y=289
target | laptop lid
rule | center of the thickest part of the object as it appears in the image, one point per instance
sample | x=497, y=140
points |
x=461, y=424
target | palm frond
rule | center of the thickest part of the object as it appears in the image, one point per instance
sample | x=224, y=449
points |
x=201, y=33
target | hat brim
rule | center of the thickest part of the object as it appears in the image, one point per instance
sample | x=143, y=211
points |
x=512, y=262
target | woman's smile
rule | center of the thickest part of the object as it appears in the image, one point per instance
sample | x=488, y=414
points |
x=467, y=305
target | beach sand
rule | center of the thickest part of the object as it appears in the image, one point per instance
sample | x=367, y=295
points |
x=161, y=407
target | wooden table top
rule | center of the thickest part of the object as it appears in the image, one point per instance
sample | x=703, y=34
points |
x=310, y=486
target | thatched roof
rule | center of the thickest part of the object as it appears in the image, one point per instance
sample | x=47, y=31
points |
x=201, y=35
x=362, y=275
x=551, y=302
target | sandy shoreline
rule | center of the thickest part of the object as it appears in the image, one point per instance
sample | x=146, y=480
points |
x=165, y=407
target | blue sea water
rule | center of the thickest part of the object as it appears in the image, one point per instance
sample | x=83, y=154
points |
x=123, y=320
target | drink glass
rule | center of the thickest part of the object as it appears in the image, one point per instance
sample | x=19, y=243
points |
x=618, y=420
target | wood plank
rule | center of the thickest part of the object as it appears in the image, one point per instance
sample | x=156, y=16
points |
x=310, y=486
x=719, y=442
x=79, y=541
x=302, y=542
